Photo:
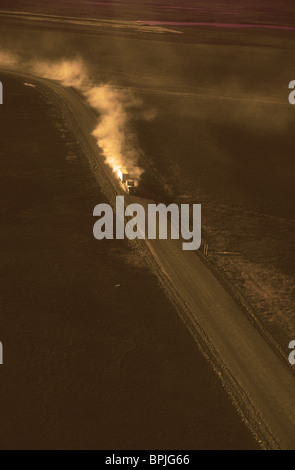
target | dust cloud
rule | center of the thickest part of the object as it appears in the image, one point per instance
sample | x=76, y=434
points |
x=118, y=145
x=68, y=72
x=113, y=133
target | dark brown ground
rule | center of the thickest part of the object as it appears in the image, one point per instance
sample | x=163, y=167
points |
x=87, y=364
x=252, y=11
x=223, y=135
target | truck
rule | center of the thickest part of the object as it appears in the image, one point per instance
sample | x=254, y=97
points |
x=128, y=183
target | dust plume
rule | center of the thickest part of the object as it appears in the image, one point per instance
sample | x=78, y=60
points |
x=115, y=106
x=112, y=133
x=8, y=60
x=68, y=72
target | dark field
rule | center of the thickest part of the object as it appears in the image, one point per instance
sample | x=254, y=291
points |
x=215, y=127
x=95, y=356
x=252, y=11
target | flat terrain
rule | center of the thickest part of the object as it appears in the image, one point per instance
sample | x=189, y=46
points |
x=215, y=127
x=260, y=383
x=94, y=354
x=220, y=131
